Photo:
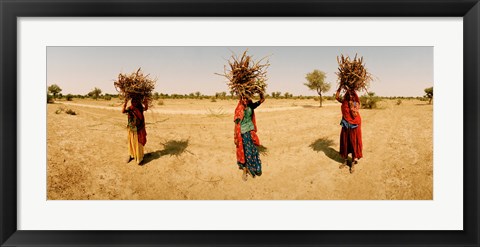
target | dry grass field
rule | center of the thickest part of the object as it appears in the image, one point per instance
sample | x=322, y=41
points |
x=190, y=154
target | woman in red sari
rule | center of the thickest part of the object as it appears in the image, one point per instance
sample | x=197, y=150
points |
x=245, y=137
x=351, y=134
x=137, y=135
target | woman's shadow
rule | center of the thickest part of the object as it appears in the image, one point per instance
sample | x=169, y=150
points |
x=172, y=148
x=324, y=145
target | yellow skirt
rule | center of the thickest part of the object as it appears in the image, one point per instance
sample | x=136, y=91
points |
x=135, y=149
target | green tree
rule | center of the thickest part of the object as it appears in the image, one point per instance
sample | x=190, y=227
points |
x=316, y=81
x=95, y=93
x=54, y=90
x=429, y=94
x=156, y=96
x=276, y=95
x=69, y=97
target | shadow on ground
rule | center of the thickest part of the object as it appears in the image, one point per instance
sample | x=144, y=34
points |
x=172, y=148
x=310, y=106
x=324, y=145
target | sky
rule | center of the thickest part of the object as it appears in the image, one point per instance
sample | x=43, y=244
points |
x=397, y=70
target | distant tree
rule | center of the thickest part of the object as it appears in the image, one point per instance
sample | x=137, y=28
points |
x=223, y=95
x=429, y=94
x=54, y=90
x=316, y=81
x=95, y=93
x=197, y=94
x=288, y=95
x=156, y=96
x=276, y=95
x=69, y=97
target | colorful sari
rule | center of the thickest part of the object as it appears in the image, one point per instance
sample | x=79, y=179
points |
x=351, y=133
x=246, y=150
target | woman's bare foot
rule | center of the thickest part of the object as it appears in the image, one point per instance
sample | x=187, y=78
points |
x=355, y=161
x=244, y=175
x=352, y=168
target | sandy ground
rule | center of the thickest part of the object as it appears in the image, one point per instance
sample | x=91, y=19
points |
x=190, y=152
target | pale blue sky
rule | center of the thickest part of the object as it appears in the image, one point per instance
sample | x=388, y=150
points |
x=398, y=71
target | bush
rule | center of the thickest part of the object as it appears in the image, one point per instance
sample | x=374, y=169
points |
x=107, y=97
x=70, y=112
x=49, y=98
x=399, y=101
x=369, y=101
x=160, y=102
x=213, y=100
x=59, y=110
x=69, y=97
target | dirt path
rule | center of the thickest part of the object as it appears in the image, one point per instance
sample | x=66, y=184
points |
x=204, y=112
x=192, y=156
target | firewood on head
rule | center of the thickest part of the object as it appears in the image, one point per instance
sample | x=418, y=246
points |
x=245, y=76
x=135, y=85
x=352, y=74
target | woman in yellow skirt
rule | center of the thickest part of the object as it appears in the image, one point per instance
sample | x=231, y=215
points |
x=137, y=135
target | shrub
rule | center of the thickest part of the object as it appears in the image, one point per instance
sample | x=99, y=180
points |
x=369, y=101
x=213, y=100
x=107, y=97
x=59, y=110
x=69, y=97
x=49, y=98
x=160, y=102
x=70, y=112
x=399, y=101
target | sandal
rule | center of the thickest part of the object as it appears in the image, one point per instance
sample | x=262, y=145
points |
x=352, y=169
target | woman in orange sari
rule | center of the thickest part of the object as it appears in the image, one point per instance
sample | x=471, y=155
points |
x=137, y=135
x=245, y=137
x=351, y=134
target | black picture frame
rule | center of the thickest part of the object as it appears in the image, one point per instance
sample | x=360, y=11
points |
x=10, y=10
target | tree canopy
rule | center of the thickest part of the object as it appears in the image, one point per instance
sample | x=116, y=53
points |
x=95, y=93
x=316, y=81
x=429, y=94
x=54, y=89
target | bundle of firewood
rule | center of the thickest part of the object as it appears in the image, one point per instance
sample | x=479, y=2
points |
x=245, y=76
x=352, y=74
x=135, y=85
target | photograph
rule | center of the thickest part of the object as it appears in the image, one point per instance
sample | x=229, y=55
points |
x=164, y=123
x=239, y=122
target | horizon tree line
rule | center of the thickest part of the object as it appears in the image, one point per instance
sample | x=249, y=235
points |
x=315, y=82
